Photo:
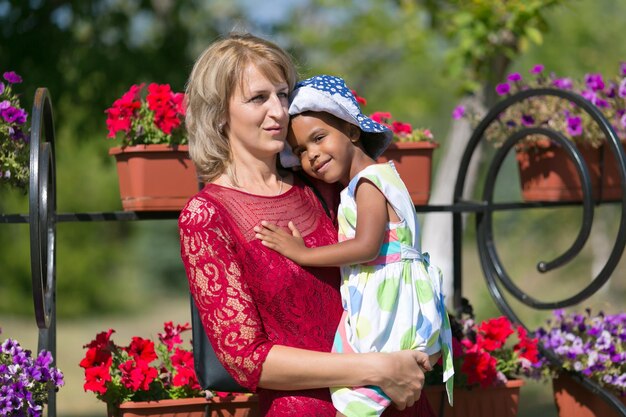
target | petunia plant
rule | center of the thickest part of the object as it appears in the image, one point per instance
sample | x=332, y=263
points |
x=594, y=345
x=25, y=380
x=14, y=135
x=143, y=116
x=141, y=370
x=608, y=94
x=402, y=131
x=489, y=353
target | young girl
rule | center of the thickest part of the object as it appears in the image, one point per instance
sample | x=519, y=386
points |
x=391, y=294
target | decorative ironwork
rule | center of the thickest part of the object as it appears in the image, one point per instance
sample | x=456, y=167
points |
x=494, y=271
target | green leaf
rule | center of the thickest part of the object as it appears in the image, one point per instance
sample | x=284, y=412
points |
x=534, y=34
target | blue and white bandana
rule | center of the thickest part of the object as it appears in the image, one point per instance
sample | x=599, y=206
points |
x=326, y=93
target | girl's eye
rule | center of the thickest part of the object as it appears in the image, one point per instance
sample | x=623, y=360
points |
x=318, y=139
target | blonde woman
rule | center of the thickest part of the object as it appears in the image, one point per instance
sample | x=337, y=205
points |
x=270, y=321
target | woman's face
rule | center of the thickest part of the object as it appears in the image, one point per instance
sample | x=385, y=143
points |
x=258, y=116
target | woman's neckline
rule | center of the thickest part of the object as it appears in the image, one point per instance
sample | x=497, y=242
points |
x=237, y=190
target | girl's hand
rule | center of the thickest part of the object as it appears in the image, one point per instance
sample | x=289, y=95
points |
x=403, y=376
x=290, y=245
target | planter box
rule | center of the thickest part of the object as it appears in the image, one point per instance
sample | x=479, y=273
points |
x=499, y=401
x=574, y=400
x=155, y=177
x=548, y=174
x=236, y=406
x=413, y=161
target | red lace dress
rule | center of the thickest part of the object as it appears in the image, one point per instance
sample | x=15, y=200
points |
x=251, y=298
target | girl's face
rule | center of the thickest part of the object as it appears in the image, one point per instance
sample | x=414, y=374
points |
x=258, y=117
x=323, y=143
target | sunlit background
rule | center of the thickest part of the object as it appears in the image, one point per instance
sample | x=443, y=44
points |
x=415, y=59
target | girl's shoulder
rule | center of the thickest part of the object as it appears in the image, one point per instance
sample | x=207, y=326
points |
x=383, y=176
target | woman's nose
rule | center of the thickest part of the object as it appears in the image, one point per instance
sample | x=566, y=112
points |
x=278, y=108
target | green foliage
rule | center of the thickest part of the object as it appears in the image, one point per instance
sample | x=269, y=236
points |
x=487, y=35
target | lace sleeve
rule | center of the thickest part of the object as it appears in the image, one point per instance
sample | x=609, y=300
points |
x=215, y=273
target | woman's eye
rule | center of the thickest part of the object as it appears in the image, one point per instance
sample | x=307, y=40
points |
x=283, y=95
x=258, y=99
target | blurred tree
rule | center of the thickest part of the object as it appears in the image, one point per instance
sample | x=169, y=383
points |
x=87, y=53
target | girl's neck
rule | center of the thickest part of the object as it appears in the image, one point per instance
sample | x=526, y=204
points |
x=360, y=161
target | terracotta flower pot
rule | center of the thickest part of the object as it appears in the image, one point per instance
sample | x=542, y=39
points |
x=499, y=401
x=611, y=183
x=548, y=174
x=413, y=161
x=155, y=177
x=236, y=406
x=574, y=400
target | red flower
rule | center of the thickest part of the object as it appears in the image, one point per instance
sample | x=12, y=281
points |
x=493, y=333
x=101, y=341
x=141, y=349
x=96, y=378
x=381, y=117
x=185, y=376
x=182, y=359
x=171, y=336
x=400, y=128
x=121, y=114
x=479, y=366
x=95, y=357
x=526, y=348
x=137, y=375
x=359, y=99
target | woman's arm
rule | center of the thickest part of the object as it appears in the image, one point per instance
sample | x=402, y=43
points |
x=227, y=311
x=370, y=231
x=399, y=374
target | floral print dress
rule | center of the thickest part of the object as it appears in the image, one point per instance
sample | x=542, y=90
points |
x=392, y=303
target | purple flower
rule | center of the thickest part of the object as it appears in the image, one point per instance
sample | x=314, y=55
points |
x=12, y=77
x=458, y=112
x=594, y=81
x=574, y=126
x=537, y=69
x=623, y=69
x=503, y=89
x=622, y=120
x=621, y=91
x=1, y=87
x=515, y=76
x=528, y=120
x=563, y=83
x=14, y=115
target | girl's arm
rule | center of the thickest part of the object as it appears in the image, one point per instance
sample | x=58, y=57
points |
x=399, y=374
x=370, y=231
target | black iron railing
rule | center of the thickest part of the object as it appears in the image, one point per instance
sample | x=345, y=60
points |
x=43, y=218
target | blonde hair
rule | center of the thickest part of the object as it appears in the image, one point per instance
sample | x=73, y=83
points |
x=212, y=82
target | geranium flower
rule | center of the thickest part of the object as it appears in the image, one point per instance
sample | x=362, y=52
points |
x=488, y=353
x=142, y=369
x=156, y=118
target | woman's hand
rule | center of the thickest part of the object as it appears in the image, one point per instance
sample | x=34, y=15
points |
x=403, y=376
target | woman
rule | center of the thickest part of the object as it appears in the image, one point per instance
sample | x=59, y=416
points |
x=270, y=321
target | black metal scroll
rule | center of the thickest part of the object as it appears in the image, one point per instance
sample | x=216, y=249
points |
x=494, y=270
x=42, y=211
